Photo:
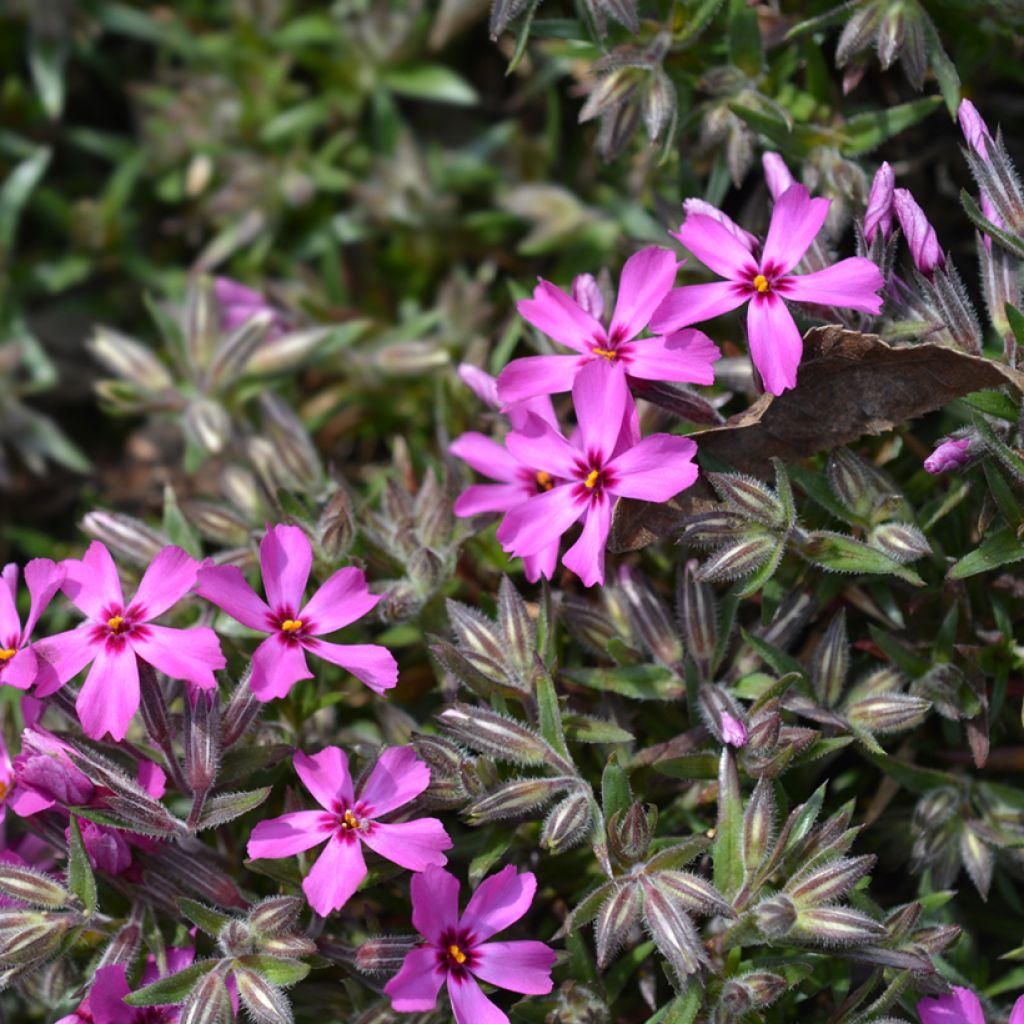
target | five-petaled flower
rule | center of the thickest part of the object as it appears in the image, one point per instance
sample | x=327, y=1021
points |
x=117, y=633
x=18, y=663
x=294, y=627
x=350, y=819
x=603, y=462
x=682, y=355
x=767, y=280
x=456, y=952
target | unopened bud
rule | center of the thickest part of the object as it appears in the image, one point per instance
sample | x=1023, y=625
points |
x=34, y=942
x=672, y=930
x=241, y=488
x=629, y=834
x=936, y=807
x=775, y=917
x=722, y=715
x=829, y=881
x=751, y=549
x=699, y=617
x=287, y=352
x=920, y=235
x=336, y=530
x=126, y=536
x=515, y=798
x=831, y=662
x=758, y=824
x=208, y=425
x=611, y=91
x=567, y=823
x=202, y=733
x=276, y=914
x=266, y=1003
x=749, y=498
x=216, y=523
x=838, y=926
x=650, y=617
x=234, y=352
x=410, y=358
x=130, y=360
x=32, y=887
x=616, y=920
x=900, y=541
x=764, y=728
x=293, y=446
x=949, y=454
x=890, y=712
x=208, y=1003
x=693, y=892
x=494, y=734
x=293, y=946
x=385, y=954
x=659, y=103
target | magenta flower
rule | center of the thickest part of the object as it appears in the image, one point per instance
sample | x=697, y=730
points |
x=117, y=633
x=44, y=775
x=294, y=627
x=974, y=128
x=18, y=664
x=734, y=732
x=596, y=467
x=775, y=343
x=456, y=952
x=348, y=820
x=961, y=1006
x=776, y=174
x=952, y=453
x=684, y=356
x=878, y=216
x=920, y=235
x=239, y=304
x=106, y=1003
x=7, y=779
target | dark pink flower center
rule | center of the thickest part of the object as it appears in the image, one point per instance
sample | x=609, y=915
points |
x=607, y=346
x=593, y=477
x=766, y=280
x=289, y=626
x=116, y=625
x=351, y=822
x=456, y=953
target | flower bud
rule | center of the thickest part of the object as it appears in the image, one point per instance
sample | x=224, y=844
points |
x=241, y=488
x=974, y=128
x=749, y=497
x=629, y=834
x=829, y=881
x=34, y=942
x=385, y=954
x=293, y=448
x=293, y=946
x=775, y=917
x=659, y=103
x=242, y=710
x=758, y=824
x=837, y=926
x=494, y=734
x=889, y=712
x=900, y=541
x=276, y=914
x=515, y=798
x=234, y=352
x=752, y=549
x=672, y=930
x=202, y=733
x=699, y=617
x=722, y=715
x=208, y=425
x=587, y=294
x=288, y=351
x=208, y=1003
x=616, y=920
x=410, y=358
x=831, y=662
x=878, y=216
x=692, y=892
x=649, y=617
x=216, y=523
x=949, y=454
x=920, y=235
x=936, y=807
x=126, y=536
x=567, y=823
x=336, y=530
x=130, y=360
x=30, y=886
x=776, y=174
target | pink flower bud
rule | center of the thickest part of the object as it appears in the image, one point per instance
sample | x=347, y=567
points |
x=776, y=174
x=878, y=216
x=481, y=383
x=734, y=732
x=952, y=453
x=587, y=295
x=239, y=304
x=974, y=128
x=921, y=237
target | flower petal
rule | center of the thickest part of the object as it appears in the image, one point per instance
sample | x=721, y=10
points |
x=523, y=967
x=849, y=284
x=335, y=876
x=777, y=175
x=655, y=469
x=44, y=579
x=539, y=446
x=62, y=656
x=398, y=777
x=170, y=576
x=341, y=599
x=775, y=343
x=286, y=557
x=413, y=845
x=543, y=563
x=601, y=399
x=694, y=303
x=499, y=901
x=10, y=620
x=559, y=317
x=106, y=996
x=21, y=671
x=191, y=654
x=646, y=279
x=289, y=834
x=796, y=221
x=435, y=903
x=226, y=587
x=470, y=1005
x=326, y=776
x=92, y=584
x=684, y=356
x=277, y=665
x=482, y=498
x=415, y=987
x=586, y=556
x=481, y=383
x=745, y=238
x=539, y=375
x=961, y=1006
x=1017, y=1013
x=716, y=246
x=369, y=663
x=539, y=522
x=486, y=456
x=109, y=696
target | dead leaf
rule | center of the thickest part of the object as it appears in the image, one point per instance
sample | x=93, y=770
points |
x=850, y=385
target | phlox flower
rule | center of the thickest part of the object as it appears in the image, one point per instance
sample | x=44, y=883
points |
x=295, y=627
x=456, y=952
x=684, y=356
x=18, y=663
x=117, y=634
x=950, y=453
x=349, y=820
x=766, y=282
x=961, y=1006
x=878, y=215
x=44, y=775
x=239, y=304
x=595, y=468
x=7, y=778
x=921, y=238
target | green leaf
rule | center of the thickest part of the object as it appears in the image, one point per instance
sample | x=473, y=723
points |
x=523, y=38
x=228, y=806
x=15, y=192
x=999, y=548
x=81, y=880
x=1003, y=495
x=278, y=970
x=995, y=403
x=838, y=552
x=745, y=49
x=865, y=132
x=683, y=1009
x=177, y=527
x=46, y=60
x=172, y=989
x=211, y=921
x=433, y=82
x=1004, y=238
x=494, y=849
x=1016, y=319
x=780, y=662
x=550, y=713
x=615, y=792
x=588, y=729
x=1006, y=455
x=727, y=853
x=640, y=682
x=689, y=766
x=944, y=69
x=912, y=776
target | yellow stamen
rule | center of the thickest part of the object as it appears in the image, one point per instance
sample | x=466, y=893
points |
x=456, y=954
x=115, y=623
x=608, y=353
x=7, y=653
x=544, y=481
x=761, y=283
x=591, y=480
x=3, y=791
x=291, y=625
x=350, y=820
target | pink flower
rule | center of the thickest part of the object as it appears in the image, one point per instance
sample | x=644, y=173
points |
x=603, y=463
x=952, y=453
x=239, y=304
x=294, y=628
x=646, y=280
x=7, y=778
x=106, y=997
x=921, y=237
x=348, y=820
x=456, y=952
x=776, y=174
x=878, y=216
x=974, y=128
x=45, y=776
x=18, y=665
x=775, y=343
x=734, y=732
x=117, y=633
x=107, y=848
x=587, y=295
x=961, y=1006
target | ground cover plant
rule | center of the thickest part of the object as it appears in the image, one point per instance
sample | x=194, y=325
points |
x=510, y=512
